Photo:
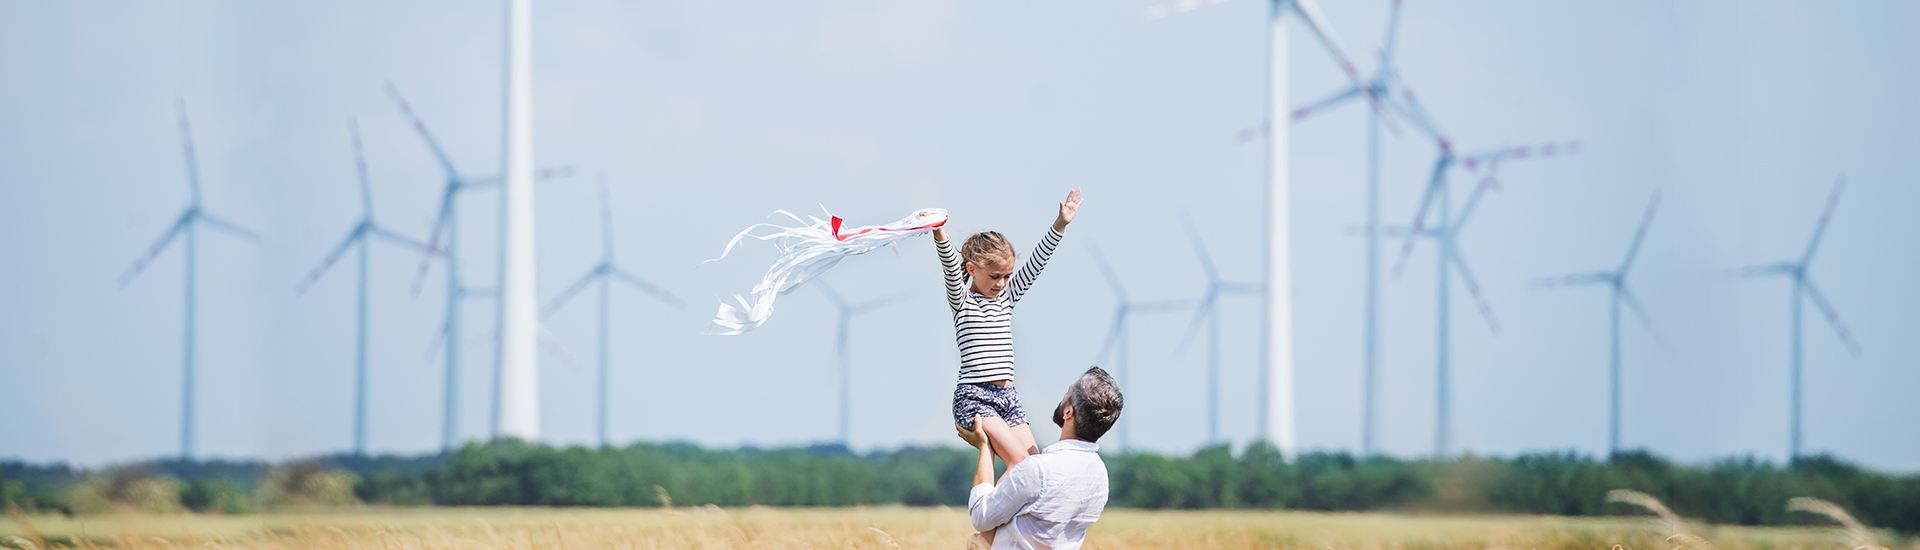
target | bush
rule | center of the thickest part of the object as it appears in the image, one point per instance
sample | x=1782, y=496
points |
x=307, y=484
x=216, y=495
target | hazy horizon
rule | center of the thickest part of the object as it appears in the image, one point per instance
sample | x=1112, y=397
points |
x=707, y=116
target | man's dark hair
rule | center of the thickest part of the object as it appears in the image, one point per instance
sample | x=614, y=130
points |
x=1096, y=403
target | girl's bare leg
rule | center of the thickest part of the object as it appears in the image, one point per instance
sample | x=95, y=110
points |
x=1025, y=434
x=1011, y=444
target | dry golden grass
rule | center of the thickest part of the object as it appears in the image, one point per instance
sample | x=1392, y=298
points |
x=864, y=527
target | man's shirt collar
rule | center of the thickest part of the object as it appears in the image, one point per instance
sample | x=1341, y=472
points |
x=1073, y=445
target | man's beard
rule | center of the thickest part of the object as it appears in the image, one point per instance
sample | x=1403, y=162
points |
x=1060, y=415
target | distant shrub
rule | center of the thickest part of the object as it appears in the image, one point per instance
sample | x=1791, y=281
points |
x=307, y=484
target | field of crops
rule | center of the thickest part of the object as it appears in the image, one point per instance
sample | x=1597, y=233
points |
x=886, y=528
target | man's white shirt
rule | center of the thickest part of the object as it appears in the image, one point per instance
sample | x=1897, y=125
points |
x=1046, y=502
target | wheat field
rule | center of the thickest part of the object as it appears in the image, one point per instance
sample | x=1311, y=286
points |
x=885, y=527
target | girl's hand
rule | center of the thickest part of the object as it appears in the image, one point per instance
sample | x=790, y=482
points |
x=1068, y=208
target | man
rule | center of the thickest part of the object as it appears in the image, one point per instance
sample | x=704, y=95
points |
x=1048, y=500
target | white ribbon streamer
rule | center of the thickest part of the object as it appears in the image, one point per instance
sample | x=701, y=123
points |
x=808, y=250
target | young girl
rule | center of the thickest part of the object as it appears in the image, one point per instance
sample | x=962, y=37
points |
x=982, y=297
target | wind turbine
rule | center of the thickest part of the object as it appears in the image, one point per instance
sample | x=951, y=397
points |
x=1803, y=286
x=1445, y=233
x=184, y=228
x=841, y=358
x=1616, y=280
x=1276, y=422
x=1209, y=314
x=358, y=236
x=1374, y=89
x=606, y=273
x=1115, y=347
x=443, y=242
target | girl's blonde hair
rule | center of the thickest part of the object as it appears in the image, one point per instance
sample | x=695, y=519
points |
x=987, y=248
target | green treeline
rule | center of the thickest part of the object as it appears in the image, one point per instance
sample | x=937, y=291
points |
x=509, y=472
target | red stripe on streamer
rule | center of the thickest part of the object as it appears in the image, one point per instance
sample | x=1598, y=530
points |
x=839, y=237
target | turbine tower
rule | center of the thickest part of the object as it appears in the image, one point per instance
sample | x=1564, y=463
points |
x=841, y=357
x=1115, y=347
x=518, y=414
x=1276, y=422
x=1209, y=314
x=443, y=243
x=358, y=237
x=1803, y=286
x=184, y=228
x=606, y=273
x=1616, y=280
x=1445, y=231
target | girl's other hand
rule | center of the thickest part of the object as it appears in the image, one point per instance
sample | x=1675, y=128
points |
x=1068, y=208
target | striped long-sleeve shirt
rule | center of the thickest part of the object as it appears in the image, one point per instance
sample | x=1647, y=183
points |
x=984, y=326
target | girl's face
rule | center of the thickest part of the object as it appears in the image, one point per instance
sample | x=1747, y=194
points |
x=991, y=279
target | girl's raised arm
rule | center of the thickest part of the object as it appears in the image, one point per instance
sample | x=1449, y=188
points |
x=950, y=265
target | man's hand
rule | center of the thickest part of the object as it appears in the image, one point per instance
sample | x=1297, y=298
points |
x=1068, y=208
x=977, y=438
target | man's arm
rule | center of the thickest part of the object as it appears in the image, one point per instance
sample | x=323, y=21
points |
x=988, y=505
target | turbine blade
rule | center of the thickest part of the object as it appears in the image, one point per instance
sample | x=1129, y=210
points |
x=229, y=227
x=402, y=240
x=877, y=303
x=1832, y=315
x=186, y=146
x=659, y=293
x=832, y=295
x=1597, y=277
x=434, y=232
x=1640, y=312
x=1826, y=216
x=551, y=173
x=1640, y=234
x=1763, y=270
x=1250, y=134
x=1384, y=231
x=560, y=350
x=547, y=174
x=1242, y=288
x=360, y=167
x=1158, y=11
x=434, y=345
x=1199, y=316
x=327, y=261
x=1418, y=226
x=140, y=264
x=1106, y=270
x=1473, y=288
x=1310, y=12
x=1326, y=104
x=1488, y=183
x=420, y=127
x=1200, y=249
x=567, y=294
x=606, y=216
x=1159, y=306
x=1411, y=111
x=1113, y=336
x=1392, y=38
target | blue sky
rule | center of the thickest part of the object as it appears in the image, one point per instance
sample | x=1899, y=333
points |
x=705, y=116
